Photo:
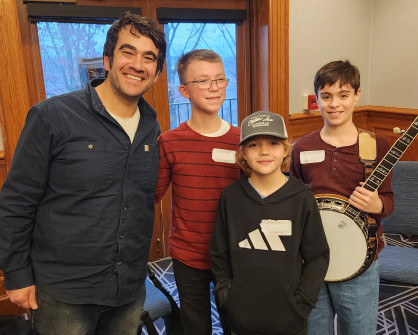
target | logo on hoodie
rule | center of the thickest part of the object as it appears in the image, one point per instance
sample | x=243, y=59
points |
x=267, y=237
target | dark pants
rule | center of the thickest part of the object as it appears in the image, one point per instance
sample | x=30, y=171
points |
x=54, y=317
x=193, y=286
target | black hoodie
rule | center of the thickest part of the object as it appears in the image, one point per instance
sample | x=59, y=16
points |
x=269, y=257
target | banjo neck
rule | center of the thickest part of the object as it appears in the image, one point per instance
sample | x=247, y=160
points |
x=386, y=165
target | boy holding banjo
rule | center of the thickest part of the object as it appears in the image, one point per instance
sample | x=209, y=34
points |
x=330, y=162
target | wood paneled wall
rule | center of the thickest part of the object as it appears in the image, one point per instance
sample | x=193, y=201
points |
x=270, y=56
x=14, y=91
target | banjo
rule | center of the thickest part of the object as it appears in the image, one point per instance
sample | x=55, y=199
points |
x=350, y=233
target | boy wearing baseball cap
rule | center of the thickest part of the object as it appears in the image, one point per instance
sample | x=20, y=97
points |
x=269, y=251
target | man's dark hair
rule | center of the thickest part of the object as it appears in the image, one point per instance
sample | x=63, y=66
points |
x=138, y=24
x=342, y=71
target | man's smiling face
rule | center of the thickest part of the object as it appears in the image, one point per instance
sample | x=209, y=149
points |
x=133, y=69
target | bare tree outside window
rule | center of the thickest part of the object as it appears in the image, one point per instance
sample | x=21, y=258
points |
x=184, y=37
x=71, y=54
x=65, y=49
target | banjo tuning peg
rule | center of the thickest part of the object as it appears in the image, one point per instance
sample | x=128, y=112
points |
x=397, y=130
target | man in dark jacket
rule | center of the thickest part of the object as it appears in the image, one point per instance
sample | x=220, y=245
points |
x=77, y=207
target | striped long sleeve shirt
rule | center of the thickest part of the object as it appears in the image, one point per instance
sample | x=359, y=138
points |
x=198, y=167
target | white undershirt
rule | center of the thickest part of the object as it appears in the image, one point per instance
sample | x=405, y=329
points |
x=129, y=124
x=221, y=131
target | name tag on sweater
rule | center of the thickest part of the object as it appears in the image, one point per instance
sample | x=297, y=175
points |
x=223, y=156
x=313, y=156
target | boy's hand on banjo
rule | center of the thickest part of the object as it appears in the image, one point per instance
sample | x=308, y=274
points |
x=366, y=200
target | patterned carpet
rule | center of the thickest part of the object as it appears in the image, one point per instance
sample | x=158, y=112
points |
x=398, y=310
x=398, y=307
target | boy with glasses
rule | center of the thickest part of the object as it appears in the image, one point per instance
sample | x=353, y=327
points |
x=198, y=160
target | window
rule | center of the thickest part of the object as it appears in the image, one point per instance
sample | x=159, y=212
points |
x=71, y=54
x=216, y=29
x=71, y=40
x=184, y=37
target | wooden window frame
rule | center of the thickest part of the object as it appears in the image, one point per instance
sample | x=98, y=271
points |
x=75, y=14
x=193, y=15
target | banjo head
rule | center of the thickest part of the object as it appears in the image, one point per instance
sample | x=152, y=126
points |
x=347, y=243
x=347, y=239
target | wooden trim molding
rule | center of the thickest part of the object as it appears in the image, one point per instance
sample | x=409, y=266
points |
x=270, y=56
x=259, y=38
x=279, y=58
x=70, y=13
x=360, y=109
x=166, y=14
x=387, y=110
x=51, y=1
x=14, y=91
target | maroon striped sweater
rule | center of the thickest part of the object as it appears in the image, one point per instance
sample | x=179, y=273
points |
x=198, y=174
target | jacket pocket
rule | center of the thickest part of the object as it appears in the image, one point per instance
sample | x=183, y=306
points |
x=89, y=165
x=147, y=165
x=261, y=308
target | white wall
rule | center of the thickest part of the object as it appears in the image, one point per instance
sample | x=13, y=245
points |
x=380, y=37
x=394, y=54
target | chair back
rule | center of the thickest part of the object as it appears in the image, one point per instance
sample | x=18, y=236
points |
x=404, y=218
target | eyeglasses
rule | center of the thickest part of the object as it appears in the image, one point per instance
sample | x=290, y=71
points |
x=207, y=83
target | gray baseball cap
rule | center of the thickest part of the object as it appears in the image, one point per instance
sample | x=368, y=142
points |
x=263, y=123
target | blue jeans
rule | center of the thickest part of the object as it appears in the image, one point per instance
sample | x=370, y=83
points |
x=55, y=317
x=355, y=302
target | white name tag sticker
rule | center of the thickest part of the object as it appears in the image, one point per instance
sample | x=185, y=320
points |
x=276, y=227
x=273, y=229
x=313, y=156
x=223, y=156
